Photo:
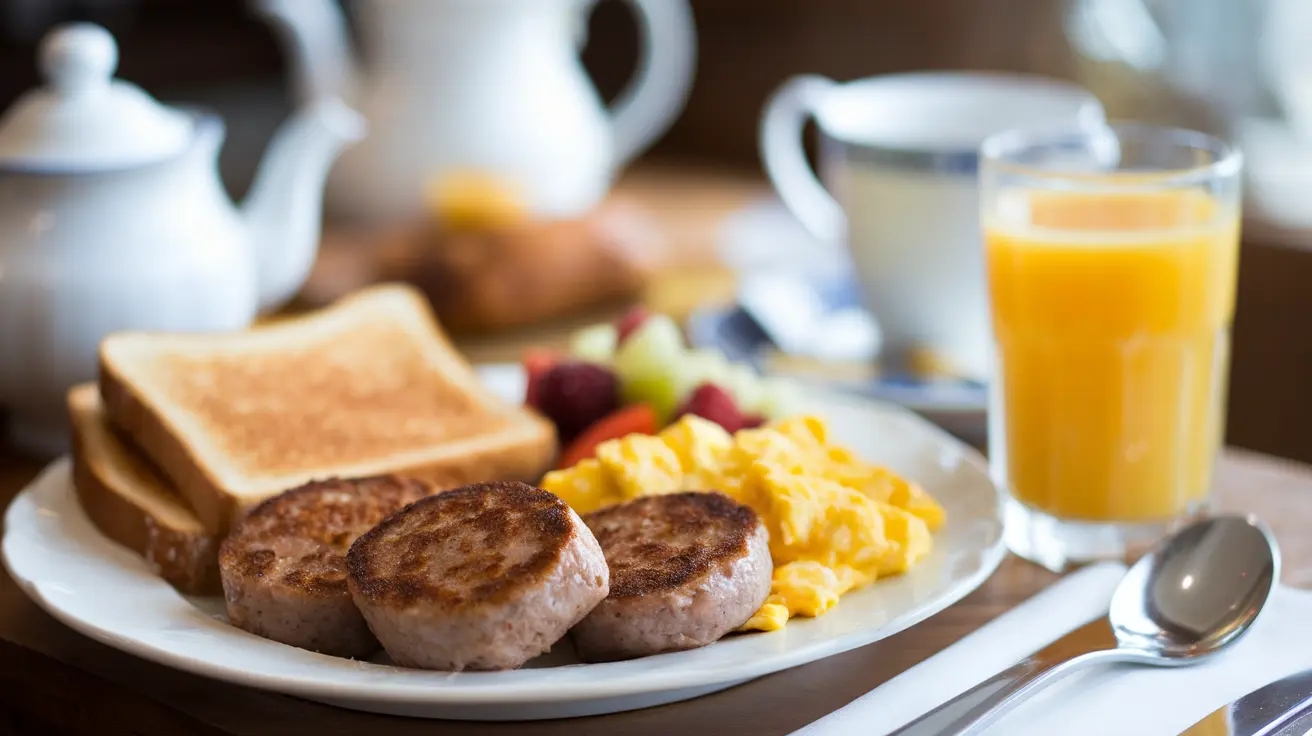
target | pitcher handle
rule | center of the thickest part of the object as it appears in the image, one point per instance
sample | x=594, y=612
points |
x=785, y=159
x=651, y=101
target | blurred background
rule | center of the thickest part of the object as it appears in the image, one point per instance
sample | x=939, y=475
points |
x=1240, y=69
x=1192, y=62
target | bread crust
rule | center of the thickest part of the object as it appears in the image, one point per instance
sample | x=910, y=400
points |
x=185, y=558
x=215, y=508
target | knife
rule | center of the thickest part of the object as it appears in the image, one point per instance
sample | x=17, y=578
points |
x=1281, y=708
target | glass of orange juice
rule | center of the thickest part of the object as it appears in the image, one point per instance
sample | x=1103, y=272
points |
x=1112, y=253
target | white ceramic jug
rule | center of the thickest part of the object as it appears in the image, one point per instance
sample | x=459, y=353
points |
x=489, y=86
x=112, y=217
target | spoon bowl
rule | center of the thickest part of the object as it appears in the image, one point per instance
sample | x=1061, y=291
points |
x=1197, y=592
x=1191, y=597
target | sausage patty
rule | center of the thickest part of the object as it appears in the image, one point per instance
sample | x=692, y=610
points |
x=483, y=577
x=685, y=569
x=283, y=567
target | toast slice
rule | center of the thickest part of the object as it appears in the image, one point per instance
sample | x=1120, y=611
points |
x=368, y=386
x=131, y=504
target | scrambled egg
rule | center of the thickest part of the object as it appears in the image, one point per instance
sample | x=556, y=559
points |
x=835, y=522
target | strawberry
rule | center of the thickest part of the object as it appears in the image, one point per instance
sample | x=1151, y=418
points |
x=632, y=419
x=630, y=322
x=709, y=401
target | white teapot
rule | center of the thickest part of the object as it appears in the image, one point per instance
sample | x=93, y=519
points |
x=493, y=87
x=113, y=217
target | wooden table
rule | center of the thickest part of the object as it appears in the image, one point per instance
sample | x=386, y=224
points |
x=54, y=681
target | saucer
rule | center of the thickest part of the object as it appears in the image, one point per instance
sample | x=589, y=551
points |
x=959, y=405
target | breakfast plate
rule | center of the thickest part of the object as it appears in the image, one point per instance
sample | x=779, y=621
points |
x=107, y=593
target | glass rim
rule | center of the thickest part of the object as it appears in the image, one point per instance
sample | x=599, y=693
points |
x=1228, y=159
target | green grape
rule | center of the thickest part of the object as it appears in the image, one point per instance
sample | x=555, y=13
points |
x=650, y=365
x=595, y=344
x=780, y=397
x=743, y=382
x=701, y=366
x=658, y=391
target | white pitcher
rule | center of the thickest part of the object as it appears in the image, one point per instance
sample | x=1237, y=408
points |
x=493, y=87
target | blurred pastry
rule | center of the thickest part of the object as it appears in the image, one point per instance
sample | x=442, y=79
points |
x=484, y=268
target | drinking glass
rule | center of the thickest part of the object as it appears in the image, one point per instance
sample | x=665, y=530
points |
x=1111, y=254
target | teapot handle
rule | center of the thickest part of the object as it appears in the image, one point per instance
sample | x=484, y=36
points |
x=651, y=101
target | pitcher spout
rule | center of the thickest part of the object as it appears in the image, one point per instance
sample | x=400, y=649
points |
x=315, y=34
x=283, y=211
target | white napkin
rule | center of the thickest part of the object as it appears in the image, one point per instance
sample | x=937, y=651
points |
x=1108, y=700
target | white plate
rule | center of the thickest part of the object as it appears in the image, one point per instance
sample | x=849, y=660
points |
x=106, y=592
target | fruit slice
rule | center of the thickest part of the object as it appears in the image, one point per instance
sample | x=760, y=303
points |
x=635, y=419
x=702, y=365
x=712, y=402
x=744, y=384
x=650, y=365
x=630, y=322
x=779, y=397
x=595, y=344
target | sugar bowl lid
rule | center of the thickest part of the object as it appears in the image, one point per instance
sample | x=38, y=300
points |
x=83, y=119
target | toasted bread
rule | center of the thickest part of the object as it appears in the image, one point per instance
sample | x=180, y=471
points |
x=131, y=504
x=368, y=386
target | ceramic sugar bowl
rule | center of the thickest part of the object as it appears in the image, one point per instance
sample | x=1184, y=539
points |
x=113, y=217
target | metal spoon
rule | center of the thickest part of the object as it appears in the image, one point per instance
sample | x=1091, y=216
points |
x=1188, y=599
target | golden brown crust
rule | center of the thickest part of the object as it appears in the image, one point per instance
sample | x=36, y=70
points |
x=316, y=523
x=465, y=547
x=186, y=560
x=658, y=543
x=183, y=555
x=215, y=509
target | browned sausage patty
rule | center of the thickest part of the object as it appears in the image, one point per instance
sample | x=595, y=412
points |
x=483, y=577
x=284, y=566
x=685, y=569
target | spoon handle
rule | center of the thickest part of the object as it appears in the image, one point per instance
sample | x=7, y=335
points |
x=974, y=710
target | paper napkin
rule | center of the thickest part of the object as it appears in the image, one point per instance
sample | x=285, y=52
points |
x=1125, y=700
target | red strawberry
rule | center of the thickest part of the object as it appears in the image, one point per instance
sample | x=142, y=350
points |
x=537, y=361
x=711, y=402
x=630, y=322
x=752, y=421
x=575, y=394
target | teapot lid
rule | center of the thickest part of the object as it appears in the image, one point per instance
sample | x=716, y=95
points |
x=83, y=119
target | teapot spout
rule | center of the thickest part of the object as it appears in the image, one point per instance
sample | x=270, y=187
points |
x=283, y=210
x=314, y=35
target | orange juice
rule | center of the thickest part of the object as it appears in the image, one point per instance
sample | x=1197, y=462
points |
x=1111, y=317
